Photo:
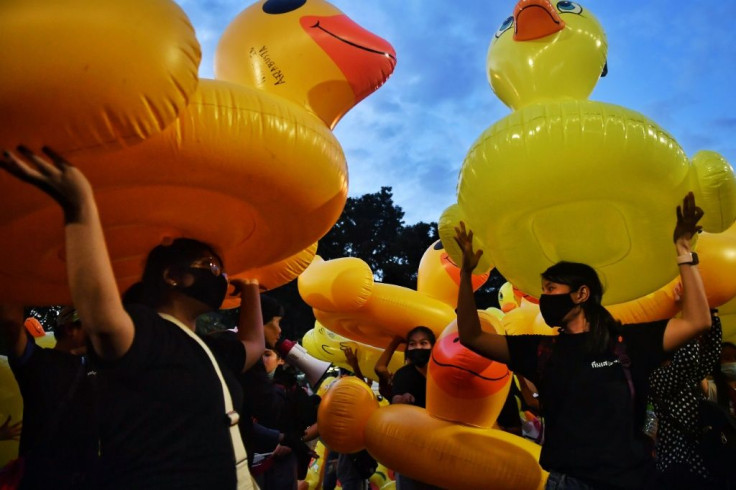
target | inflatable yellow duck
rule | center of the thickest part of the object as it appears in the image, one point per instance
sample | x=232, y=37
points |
x=451, y=444
x=250, y=165
x=346, y=299
x=590, y=181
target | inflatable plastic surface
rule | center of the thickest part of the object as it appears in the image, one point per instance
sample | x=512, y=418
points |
x=81, y=74
x=348, y=301
x=326, y=345
x=564, y=162
x=305, y=51
x=463, y=390
x=11, y=403
x=255, y=174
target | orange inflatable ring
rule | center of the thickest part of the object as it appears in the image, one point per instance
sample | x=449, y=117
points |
x=209, y=176
x=83, y=74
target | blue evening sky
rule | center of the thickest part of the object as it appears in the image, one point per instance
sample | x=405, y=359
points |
x=672, y=61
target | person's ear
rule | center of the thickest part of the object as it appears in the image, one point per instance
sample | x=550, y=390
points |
x=171, y=278
x=582, y=294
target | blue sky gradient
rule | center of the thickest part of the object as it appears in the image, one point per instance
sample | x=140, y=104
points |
x=675, y=62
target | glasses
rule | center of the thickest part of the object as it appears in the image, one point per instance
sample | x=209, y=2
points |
x=210, y=264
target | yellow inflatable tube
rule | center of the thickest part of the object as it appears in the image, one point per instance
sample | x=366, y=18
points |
x=346, y=300
x=326, y=345
x=409, y=440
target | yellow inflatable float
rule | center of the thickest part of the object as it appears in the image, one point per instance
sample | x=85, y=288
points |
x=465, y=393
x=348, y=301
x=11, y=402
x=327, y=346
x=255, y=172
x=590, y=181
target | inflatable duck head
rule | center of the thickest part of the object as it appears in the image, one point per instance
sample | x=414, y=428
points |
x=545, y=50
x=328, y=63
x=463, y=386
x=438, y=275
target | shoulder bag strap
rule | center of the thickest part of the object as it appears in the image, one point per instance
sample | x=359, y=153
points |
x=245, y=481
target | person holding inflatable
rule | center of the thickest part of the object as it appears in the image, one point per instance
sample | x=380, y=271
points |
x=169, y=400
x=593, y=376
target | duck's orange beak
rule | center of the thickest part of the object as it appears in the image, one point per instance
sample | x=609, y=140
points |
x=535, y=19
x=365, y=59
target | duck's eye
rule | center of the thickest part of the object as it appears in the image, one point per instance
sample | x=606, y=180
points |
x=569, y=8
x=282, y=6
x=438, y=245
x=505, y=26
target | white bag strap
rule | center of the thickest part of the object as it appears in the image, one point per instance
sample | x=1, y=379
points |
x=245, y=480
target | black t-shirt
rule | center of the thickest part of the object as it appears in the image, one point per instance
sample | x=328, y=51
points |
x=591, y=431
x=59, y=439
x=408, y=379
x=163, y=423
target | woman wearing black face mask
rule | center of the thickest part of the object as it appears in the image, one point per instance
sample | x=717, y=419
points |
x=410, y=386
x=593, y=377
x=410, y=382
x=168, y=401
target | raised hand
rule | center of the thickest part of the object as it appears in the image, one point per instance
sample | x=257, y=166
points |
x=350, y=355
x=10, y=432
x=464, y=239
x=57, y=178
x=241, y=286
x=688, y=216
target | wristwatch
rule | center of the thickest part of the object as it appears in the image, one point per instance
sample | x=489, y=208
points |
x=688, y=259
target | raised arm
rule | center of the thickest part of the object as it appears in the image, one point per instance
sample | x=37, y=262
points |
x=250, y=322
x=695, y=318
x=91, y=279
x=381, y=367
x=351, y=356
x=489, y=345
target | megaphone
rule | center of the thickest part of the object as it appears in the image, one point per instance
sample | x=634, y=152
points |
x=297, y=356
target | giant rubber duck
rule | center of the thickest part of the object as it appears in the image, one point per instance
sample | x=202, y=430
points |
x=451, y=444
x=590, y=181
x=250, y=164
x=348, y=301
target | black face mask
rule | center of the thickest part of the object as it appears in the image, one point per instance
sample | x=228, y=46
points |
x=207, y=288
x=419, y=357
x=554, y=307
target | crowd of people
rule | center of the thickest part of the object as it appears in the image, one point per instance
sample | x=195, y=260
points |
x=132, y=397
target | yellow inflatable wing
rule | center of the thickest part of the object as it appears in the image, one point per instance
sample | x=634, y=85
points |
x=563, y=161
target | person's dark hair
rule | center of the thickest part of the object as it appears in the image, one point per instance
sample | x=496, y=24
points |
x=151, y=290
x=425, y=330
x=270, y=308
x=603, y=326
x=67, y=317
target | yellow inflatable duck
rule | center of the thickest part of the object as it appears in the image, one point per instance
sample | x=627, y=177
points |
x=451, y=444
x=348, y=301
x=590, y=181
x=250, y=165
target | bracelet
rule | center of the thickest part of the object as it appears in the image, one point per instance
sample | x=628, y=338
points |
x=690, y=258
